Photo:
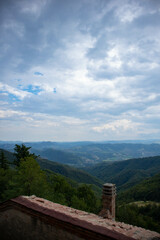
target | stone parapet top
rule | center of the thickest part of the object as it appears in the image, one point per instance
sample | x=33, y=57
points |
x=86, y=220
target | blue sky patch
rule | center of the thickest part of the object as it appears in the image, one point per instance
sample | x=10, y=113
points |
x=11, y=97
x=33, y=89
x=18, y=80
x=38, y=73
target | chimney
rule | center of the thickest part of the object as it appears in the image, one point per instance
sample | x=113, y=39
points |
x=108, y=201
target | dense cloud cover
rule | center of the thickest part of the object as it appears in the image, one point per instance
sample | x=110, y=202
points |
x=79, y=70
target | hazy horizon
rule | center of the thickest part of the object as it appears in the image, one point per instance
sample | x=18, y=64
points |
x=94, y=141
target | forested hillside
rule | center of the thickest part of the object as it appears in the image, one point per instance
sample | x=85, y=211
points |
x=127, y=173
x=75, y=174
x=27, y=178
x=140, y=205
x=59, y=156
x=24, y=176
x=146, y=190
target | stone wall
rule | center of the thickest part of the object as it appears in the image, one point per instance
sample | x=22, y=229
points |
x=18, y=225
x=21, y=223
x=28, y=218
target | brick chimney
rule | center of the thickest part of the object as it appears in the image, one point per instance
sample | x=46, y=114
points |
x=108, y=201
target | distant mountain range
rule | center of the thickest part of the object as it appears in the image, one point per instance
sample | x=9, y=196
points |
x=59, y=156
x=83, y=154
x=96, y=153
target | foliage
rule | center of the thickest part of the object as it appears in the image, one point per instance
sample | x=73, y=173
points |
x=75, y=174
x=6, y=176
x=22, y=152
x=148, y=189
x=86, y=196
x=126, y=174
x=29, y=179
x=3, y=161
x=81, y=197
x=71, y=173
x=145, y=216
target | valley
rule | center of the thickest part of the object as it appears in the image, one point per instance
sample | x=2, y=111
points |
x=137, y=180
x=86, y=154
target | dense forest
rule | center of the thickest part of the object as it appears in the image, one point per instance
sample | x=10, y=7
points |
x=146, y=215
x=126, y=174
x=24, y=173
x=75, y=174
x=140, y=205
x=72, y=173
x=24, y=176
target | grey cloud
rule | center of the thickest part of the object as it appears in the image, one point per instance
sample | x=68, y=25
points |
x=108, y=65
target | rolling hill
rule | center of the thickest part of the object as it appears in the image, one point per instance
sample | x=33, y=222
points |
x=81, y=154
x=127, y=173
x=59, y=156
x=77, y=175
x=99, y=152
x=146, y=190
x=140, y=205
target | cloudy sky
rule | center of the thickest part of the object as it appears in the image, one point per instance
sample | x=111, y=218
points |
x=79, y=70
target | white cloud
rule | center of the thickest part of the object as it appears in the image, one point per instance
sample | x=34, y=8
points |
x=41, y=126
x=127, y=11
x=117, y=126
x=100, y=66
x=114, y=59
x=9, y=89
x=33, y=7
x=40, y=119
x=6, y=113
x=74, y=121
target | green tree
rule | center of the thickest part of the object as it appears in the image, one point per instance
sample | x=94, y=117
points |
x=22, y=152
x=3, y=161
x=78, y=203
x=6, y=176
x=32, y=178
x=28, y=179
x=86, y=194
x=61, y=190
